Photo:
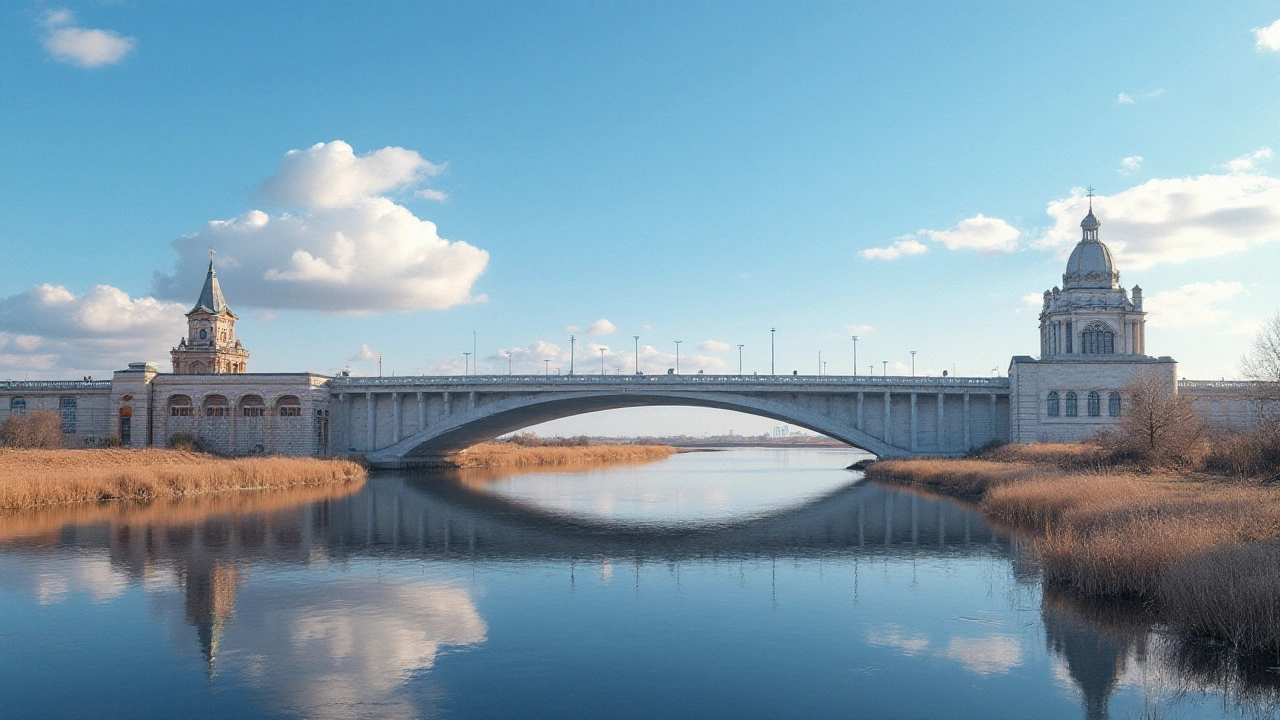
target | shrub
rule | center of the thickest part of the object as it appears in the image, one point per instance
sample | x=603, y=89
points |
x=1159, y=428
x=190, y=443
x=40, y=429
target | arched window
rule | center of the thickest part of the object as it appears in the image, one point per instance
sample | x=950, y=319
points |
x=252, y=406
x=216, y=406
x=288, y=406
x=179, y=406
x=1071, y=404
x=1097, y=339
x=1095, y=404
x=196, y=368
x=1113, y=404
x=18, y=405
x=1053, y=404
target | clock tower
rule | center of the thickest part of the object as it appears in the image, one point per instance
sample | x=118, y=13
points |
x=210, y=345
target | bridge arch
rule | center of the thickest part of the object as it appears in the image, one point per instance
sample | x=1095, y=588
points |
x=513, y=413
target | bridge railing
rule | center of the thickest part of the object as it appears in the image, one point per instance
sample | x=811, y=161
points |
x=55, y=384
x=1235, y=385
x=832, y=381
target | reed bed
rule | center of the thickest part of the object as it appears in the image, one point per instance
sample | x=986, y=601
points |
x=36, y=478
x=500, y=454
x=1202, y=551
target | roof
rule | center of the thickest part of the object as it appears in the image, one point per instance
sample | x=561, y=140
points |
x=211, y=299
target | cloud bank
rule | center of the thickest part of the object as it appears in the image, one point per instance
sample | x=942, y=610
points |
x=346, y=250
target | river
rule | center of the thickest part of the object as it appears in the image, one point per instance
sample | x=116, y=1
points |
x=747, y=583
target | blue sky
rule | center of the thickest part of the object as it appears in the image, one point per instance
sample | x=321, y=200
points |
x=685, y=171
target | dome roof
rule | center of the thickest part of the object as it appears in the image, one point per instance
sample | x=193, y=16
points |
x=1090, y=266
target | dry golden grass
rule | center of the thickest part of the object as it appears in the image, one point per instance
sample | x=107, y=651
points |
x=511, y=454
x=34, y=478
x=1181, y=542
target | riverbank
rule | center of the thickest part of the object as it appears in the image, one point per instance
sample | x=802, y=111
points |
x=1202, y=551
x=502, y=454
x=39, y=478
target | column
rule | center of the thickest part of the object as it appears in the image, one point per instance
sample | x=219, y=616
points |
x=422, y=412
x=346, y=422
x=941, y=405
x=859, y=415
x=471, y=400
x=888, y=422
x=395, y=419
x=994, y=436
x=914, y=426
x=371, y=402
x=447, y=409
x=967, y=444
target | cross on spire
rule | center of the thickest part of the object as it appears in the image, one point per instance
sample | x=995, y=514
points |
x=1090, y=193
x=210, y=254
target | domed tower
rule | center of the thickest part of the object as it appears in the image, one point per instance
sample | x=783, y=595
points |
x=210, y=345
x=1091, y=314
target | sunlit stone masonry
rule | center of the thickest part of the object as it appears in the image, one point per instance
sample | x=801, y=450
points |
x=1092, y=343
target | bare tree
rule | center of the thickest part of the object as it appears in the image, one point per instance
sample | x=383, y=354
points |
x=1262, y=362
x=40, y=429
x=1158, y=427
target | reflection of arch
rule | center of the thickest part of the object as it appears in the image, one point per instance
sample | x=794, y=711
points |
x=216, y=406
x=252, y=406
x=1097, y=338
x=180, y=406
x=1095, y=403
x=1053, y=403
x=288, y=406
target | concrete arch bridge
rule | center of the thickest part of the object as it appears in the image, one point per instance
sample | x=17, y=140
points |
x=408, y=421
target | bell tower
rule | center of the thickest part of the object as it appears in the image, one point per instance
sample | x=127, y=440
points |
x=210, y=345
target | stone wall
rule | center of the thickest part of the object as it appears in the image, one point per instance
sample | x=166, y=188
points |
x=85, y=406
x=284, y=413
x=1032, y=381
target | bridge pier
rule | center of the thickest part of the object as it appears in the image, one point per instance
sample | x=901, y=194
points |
x=422, y=412
x=371, y=407
x=942, y=445
x=395, y=417
x=915, y=427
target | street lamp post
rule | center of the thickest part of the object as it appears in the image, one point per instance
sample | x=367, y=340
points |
x=884, y=371
x=678, y=356
x=546, y=367
x=637, y=337
x=508, y=362
x=772, y=331
x=740, y=359
x=913, y=363
x=379, y=364
x=466, y=363
x=819, y=363
x=572, y=342
x=855, y=354
x=602, y=361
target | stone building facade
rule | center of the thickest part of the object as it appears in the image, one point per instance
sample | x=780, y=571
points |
x=1092, y=342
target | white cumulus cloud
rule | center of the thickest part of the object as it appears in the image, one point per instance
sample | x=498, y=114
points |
x=905, y=246
x=1249, y=161
x=1174, y=219
x=1130, y=164
x=984, y=234
x=1124, y=99
x=601, y=327
x=1267, y=39
x=1190, y=304
x=713, y=346
x=51, y=329
x=987, y=235
x=85, y=47
x=331, y=175
x=346, y=251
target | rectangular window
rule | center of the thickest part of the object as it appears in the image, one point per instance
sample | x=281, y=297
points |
x=291, y=411
x=180, y=411
x=1068, y=337
x=68, y=406
x=253, y=411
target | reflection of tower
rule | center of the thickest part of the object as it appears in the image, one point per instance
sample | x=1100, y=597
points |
x=211, y=598
x=1094, y=659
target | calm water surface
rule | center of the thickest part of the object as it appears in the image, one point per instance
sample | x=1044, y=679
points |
x=736, y=584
